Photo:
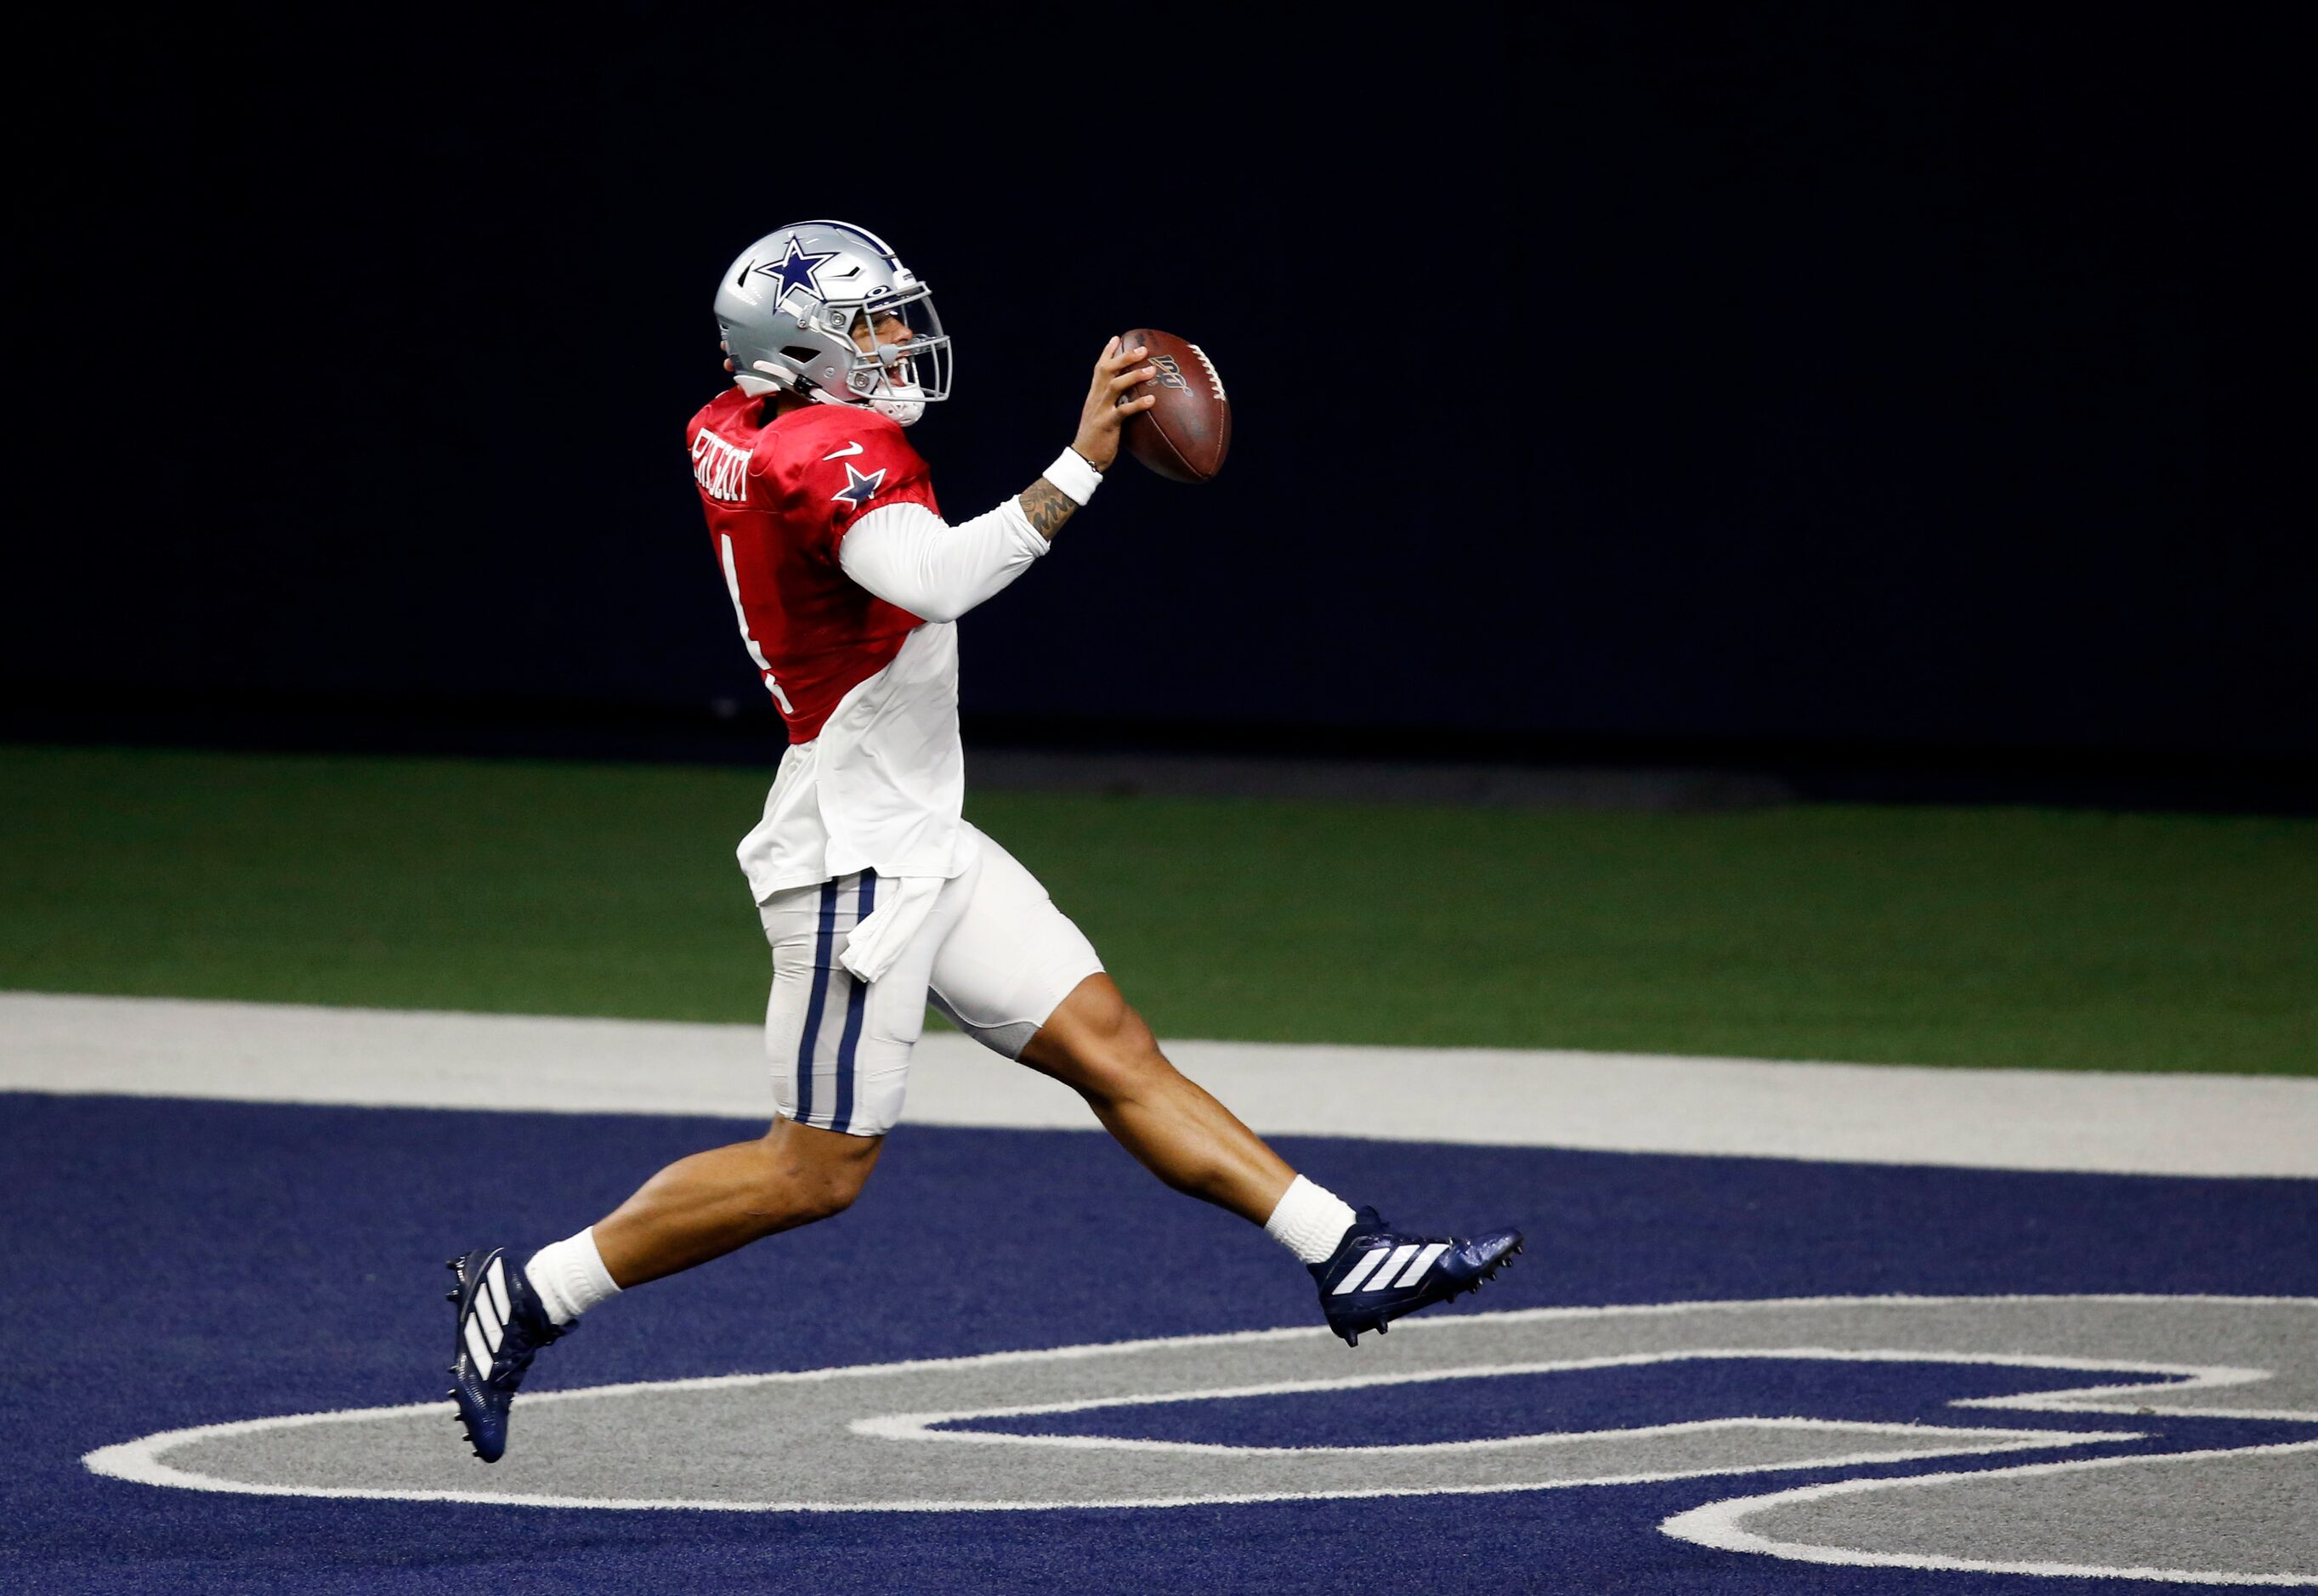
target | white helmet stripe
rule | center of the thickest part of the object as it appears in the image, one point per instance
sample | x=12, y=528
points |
x=884, y=249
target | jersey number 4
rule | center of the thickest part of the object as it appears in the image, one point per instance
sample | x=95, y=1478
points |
x=733, y=585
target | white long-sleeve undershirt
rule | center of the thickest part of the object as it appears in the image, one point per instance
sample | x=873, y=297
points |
x=909, y=556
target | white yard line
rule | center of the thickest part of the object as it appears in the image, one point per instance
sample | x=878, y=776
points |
x=2020, y=1120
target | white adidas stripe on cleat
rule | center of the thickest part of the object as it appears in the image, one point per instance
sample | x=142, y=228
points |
x=476, y=1348
x=1382, y=1268
x=497, y=1280
x=1359, y=1272
x=1425, y=1260
x=1382, y=1279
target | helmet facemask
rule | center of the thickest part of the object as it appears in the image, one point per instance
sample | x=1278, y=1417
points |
x=906, y=366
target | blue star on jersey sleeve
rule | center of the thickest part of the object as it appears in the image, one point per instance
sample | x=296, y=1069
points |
x=858, y=489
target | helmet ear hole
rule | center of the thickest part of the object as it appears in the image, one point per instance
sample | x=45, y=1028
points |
x=801, y=354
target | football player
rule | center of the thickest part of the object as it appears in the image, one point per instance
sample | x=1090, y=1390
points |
x=876, y=896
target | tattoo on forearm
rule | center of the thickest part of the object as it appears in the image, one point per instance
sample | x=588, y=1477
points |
x=1047, y=506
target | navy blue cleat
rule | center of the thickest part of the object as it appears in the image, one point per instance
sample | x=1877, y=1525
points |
x=1376, y=1274
x=502, y=1325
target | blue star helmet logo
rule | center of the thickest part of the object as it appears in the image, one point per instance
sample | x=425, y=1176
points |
x=796, y=269
x=858, y=489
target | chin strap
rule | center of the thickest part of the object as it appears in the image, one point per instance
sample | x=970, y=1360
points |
x=906, y=410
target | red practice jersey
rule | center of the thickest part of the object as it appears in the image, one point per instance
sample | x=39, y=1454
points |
x=780, y=495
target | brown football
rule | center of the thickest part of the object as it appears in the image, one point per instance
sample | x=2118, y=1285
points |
x=1184, y=437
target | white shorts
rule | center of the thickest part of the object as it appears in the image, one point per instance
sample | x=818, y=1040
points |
x=995, y=956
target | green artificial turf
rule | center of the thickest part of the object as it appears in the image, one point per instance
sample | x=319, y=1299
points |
x=2002, y=937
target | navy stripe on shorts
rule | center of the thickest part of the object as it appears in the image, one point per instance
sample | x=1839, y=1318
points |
x=824, y=958
x=857, y=999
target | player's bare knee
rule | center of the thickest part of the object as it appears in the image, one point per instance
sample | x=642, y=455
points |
x=843, y=1176
x=837, y=1189
x=1121, y=1059
x=804, y=1193
x=816, y=1174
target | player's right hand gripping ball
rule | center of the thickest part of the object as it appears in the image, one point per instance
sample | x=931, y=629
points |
x=1184, y=437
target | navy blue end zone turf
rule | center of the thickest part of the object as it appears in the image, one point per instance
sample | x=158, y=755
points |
x=166, y=1264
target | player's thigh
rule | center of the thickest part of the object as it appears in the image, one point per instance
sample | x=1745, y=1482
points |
x=894, y=1015
x=1011, y=958
x=838, y=1046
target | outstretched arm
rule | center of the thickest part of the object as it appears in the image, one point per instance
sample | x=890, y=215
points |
x=908, y=556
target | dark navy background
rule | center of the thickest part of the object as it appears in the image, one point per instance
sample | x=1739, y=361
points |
x=165, y=1264
x=1814, y=377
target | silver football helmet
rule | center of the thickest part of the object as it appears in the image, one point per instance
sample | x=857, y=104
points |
x=825, y=309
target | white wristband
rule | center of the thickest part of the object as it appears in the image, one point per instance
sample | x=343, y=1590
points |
x=1073, y=474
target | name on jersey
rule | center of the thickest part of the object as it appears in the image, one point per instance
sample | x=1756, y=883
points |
x=720, y=468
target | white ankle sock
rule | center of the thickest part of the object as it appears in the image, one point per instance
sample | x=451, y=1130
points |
x=569, y=1276
x=1309, y=1221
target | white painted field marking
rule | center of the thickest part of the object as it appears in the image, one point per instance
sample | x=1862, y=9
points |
x=920, y=1427
x=2121, y=1124
x=145, y=1460
x=1721, y=1524
x=1976, y=1441
x=837, y=1407
x=2178, y=1378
